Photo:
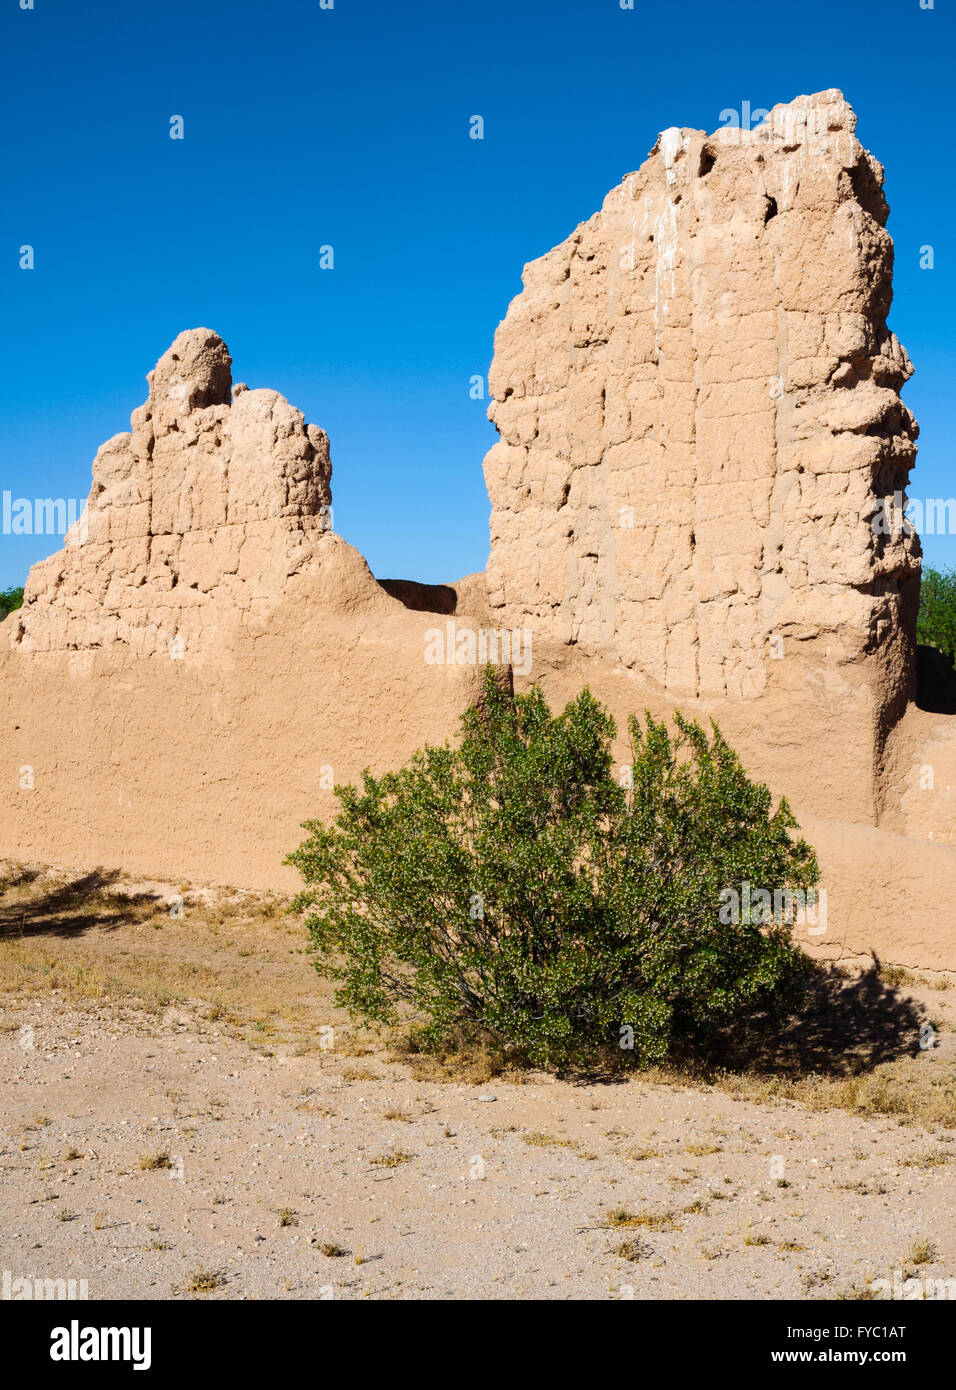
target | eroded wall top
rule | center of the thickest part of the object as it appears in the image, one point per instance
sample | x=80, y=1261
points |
x=698, y=403
x=201, y=512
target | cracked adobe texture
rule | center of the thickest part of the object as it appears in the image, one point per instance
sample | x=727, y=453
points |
x=206, y=509
x=697, y=397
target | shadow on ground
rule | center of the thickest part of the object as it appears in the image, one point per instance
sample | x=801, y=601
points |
x=847, y=1026
x=69, y=909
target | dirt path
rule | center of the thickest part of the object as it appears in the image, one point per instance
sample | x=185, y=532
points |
x=162, y=1150
x=435, y=1190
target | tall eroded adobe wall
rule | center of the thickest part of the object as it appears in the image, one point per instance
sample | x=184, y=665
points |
x=698, y=403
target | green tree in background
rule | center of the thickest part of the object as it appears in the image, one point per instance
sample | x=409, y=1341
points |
x=936, y=625
x=9, y=600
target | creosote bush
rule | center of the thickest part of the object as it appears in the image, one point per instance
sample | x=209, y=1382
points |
x=512, y=887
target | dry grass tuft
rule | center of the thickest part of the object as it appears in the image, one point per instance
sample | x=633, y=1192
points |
x=932, y=1158
x=864, y=1293
x=150, y=1162
x=923, y=1252
x=538, y=1140
x=633, y=1249
x=902, y=1089
x=331, y=1250
x=203, y=1280
x=395, y=1159
x=620, y=1218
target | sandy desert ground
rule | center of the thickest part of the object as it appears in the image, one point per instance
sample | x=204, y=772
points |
x=175, y=1124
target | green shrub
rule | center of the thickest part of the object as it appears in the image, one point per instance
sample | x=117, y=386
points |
x=512, y=887
x=936, y=624
x=9, y=600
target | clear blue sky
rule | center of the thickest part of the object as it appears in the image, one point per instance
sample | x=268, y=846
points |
x=306, y=126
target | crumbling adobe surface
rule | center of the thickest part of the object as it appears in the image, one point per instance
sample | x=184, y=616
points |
x=698, y=402
x=210, y=504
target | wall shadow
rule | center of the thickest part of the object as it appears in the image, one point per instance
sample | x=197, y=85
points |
x=72, y=908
